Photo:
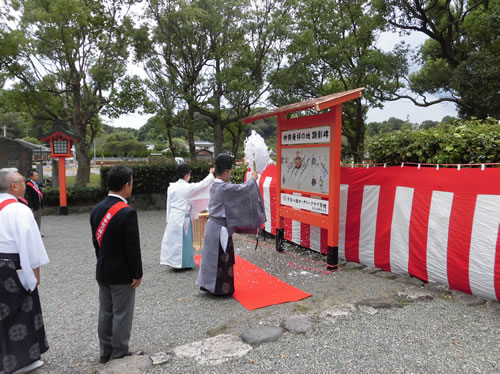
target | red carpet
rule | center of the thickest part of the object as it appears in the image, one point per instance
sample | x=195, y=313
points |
x=255, y=288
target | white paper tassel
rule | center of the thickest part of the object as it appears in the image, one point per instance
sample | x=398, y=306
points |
x=256, y=152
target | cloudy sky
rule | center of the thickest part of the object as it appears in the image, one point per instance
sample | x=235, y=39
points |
x=403, y=109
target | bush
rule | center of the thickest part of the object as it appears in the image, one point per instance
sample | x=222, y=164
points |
x=76, y=195
x=155, y=178
x=238, y=174
x=460, y=142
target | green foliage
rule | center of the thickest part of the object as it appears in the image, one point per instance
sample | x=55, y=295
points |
x=123, y=144
x=460, y=60
x=392, y=124
x=68, y=60
x=76, y=195
x=155, y=178
x=333, y=49
x=238, y=174
x=459, y=142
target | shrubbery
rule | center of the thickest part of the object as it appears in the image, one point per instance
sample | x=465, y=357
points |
x=76, y=195
x=459, y=142
x=155, y=178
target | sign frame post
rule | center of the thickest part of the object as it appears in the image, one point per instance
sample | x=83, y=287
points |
x=329, y=116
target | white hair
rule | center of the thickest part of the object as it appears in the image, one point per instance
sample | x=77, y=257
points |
x=7, y=177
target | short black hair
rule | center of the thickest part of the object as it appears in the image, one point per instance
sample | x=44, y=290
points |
x=183, y=170
x=223, y=162
x=32, y=171
x=118, y=177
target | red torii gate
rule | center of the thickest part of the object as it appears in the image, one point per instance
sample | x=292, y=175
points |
x=308, y=165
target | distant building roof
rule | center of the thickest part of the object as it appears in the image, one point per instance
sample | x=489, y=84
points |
x=33, y=147
x=202, y=143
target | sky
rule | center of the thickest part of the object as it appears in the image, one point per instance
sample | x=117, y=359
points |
x=402, y=109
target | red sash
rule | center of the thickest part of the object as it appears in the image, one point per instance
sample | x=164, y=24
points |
x=105, y=220
x=4, y=203
x=40, y=194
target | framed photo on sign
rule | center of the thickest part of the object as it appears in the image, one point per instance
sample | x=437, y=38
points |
x=306, y=169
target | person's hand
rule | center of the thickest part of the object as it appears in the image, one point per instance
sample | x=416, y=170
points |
x=211, y=170
x=255, y=175
x=136, y=283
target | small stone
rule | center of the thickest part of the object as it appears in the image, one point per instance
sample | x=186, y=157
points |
x=370, y=270
x=338, y=310
x=416, y=295
x=438, y=288
x=386, y=275
x=410, y=281
x=493, y=306
x=128, y=364
x=160, y=358
x=353, y=266
x=213, y=351
x=368, y=309
x=262, y=334
x=380, y=303
x=469, y=300
x=298, y=324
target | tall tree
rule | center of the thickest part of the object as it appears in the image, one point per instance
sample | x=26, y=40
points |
x=333, y=50
x=216, y=55
x=460, y=60
x=69, y=60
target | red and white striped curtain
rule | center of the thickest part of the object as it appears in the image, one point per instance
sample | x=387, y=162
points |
x=437, y=225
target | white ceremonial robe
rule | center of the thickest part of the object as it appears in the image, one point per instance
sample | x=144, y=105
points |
x=182, y=198
x=19, y=234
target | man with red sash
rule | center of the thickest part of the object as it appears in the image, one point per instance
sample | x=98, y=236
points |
x=22, y=332
x=34, y=196
x=115, y=235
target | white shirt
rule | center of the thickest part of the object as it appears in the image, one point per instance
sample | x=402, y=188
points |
x=19, y=233
x=118, y=196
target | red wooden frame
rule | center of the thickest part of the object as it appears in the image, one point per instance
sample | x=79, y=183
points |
x=331, y=118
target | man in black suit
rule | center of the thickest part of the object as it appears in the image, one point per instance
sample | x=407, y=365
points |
x=115, y=234
x=34, y=196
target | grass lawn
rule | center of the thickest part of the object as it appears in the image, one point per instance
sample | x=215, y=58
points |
x=95, y=180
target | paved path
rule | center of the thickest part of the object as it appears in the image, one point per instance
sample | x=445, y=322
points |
x=335, y=331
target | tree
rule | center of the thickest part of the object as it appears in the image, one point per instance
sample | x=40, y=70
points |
x=69, y=60
x=460, y=62
x=333, y=50
x=214, y=56
x=122, y=144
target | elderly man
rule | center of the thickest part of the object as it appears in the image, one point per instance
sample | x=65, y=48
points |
x=22, y=332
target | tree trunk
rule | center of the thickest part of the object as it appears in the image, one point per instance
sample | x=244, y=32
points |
x=218, y=137
x=83, y=157
x=55, y=172
x=360, y=131
x=192, y=148
x=171, y=145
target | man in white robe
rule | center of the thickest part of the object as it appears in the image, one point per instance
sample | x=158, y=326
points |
x=184, y=201
x=22, y=332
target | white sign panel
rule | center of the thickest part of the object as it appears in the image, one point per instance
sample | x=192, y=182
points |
x=311, y=135
x=305, y=169
x=305, y=203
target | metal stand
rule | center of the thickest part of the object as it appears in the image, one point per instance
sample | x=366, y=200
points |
x=332, y=258
x=280, y=240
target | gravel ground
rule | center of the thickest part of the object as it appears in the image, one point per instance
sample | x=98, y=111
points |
x=439, y=336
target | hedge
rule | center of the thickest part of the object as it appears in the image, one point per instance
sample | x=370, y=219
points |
x=155, y=178
x=76, y=195
x=461, y=142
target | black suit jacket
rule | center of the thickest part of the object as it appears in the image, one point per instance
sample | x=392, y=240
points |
x=34, y=201
x=119, y=257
